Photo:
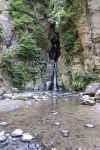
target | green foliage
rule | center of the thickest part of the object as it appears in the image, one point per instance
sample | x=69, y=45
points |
x=68, y=39
x=61, y=11
x=18, y=5
x=7, y=60
x=18, y=74
x=82, y=79
x=27, y=48
x=1, y=32
x=40, y=36
x=20, y=22
x=42, y=9
x=23, y=71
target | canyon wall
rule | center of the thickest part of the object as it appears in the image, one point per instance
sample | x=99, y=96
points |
x=88, y=58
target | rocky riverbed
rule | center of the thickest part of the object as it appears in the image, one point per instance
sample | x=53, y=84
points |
x=52, y=121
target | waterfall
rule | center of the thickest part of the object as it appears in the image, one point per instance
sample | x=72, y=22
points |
x=55, y=58
x=55, y=87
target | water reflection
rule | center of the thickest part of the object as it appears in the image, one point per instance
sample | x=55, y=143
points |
x=54, y=104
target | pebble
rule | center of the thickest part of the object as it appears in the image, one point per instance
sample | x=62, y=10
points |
x=89, y=126
x=97, y=145
x=57, y=124
x=55, y=113
x=79, y=149
x=69, y=148
x=65, y=133
x=3, y=124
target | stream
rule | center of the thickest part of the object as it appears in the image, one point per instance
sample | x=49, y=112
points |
x=46, y=119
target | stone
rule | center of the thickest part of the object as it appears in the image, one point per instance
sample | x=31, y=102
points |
x=38, y=84
x=3, y=138
x=47, y=85
x=17, y=133
x=2, y=133
x=96, y=145
x=68, y=148
x=30, y=85
x=57, y=124
x=26, y=137
x=4, y=144
x=97, y=96
x=89, y=126
x=30, y=95
x=55, y=113
x=92, y=89
x=3, y=124
x=14, y=90
x=65, y=133
x=87, y=100
x=5, y=96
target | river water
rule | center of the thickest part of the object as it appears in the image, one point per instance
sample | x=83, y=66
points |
x=39, y=120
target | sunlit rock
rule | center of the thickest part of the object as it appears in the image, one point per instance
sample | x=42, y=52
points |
x=17, y=133
x=26, y=137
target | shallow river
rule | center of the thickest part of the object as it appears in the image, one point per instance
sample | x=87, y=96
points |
x=39, y=120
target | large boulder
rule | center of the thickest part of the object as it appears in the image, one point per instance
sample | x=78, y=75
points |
x=97, y=96
x=87, y=100
x=92, y=89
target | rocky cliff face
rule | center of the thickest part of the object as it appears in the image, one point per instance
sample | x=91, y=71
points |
x=88, y=58
x=89, y=32
x=10, y=40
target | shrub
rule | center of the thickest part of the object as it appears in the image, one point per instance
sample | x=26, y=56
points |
x=82, y=79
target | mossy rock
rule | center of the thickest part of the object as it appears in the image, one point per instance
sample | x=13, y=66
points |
x=1, y=92
x=20, y=98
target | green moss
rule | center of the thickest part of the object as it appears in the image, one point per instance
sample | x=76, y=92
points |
x=21, y=98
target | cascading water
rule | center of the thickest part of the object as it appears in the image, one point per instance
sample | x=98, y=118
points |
x=55, y=58
x=55, y=86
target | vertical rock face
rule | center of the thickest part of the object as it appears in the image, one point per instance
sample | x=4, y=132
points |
x=87, y=58
x=89, y=32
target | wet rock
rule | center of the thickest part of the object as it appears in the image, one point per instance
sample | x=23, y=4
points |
x=55, y=113
x=5, y=96
x=25, y=147
x=26, y=137
x=3, y=138
x=57, y=124
x=89, y=126
x=30, y=95
x=97, y=96
x=14, y=90
x=68, y=148
x=65, y=133
x=87, y=100
x=34, y=145
x=2, y=133
x=3, y=124
x=80, y=135
x=92, y=89
x=17, y=133
x=96, y=145
x=3, y=144
x=47, y=85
